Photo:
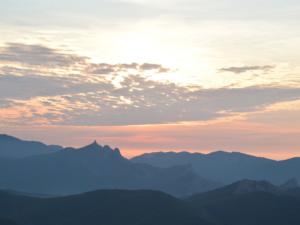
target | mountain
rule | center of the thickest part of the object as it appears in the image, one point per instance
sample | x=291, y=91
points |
x=245, y=202
x=249, y=203
x=106, y=207
x=227, y=167
x=11, y=147
x=71, y=171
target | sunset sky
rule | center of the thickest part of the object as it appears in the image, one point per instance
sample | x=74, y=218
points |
x=150, y=75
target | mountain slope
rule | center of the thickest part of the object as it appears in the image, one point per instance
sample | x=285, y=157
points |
x=93, y=167
x=249, y=203
x=227, y=167
x=246, y=202
x=106, y=207
x=11, y=147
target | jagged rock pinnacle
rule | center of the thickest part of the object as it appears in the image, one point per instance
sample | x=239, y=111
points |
x=95, y=143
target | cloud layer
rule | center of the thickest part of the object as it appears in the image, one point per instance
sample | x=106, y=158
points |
x=40, y=85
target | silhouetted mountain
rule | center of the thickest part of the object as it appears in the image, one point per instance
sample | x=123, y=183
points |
x=227, y=167
x=11, y=147
x=249, y=203
x=246, y=202
x=94, y=167
x=106, y=207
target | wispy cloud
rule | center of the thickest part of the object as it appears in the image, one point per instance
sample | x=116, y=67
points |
x=243, y=69
x=38, y=55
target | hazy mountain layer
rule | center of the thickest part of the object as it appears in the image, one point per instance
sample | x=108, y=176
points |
x=93, y=167
x=227, y=167
x=11, y=147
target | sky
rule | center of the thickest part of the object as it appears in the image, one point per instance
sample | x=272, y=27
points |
x=141, y=75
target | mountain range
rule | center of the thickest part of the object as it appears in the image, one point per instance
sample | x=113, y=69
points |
x=71, y=171
x=12, y=147
x=40, y=169
x=96, y=185
x=245, y=202
x=227, y=167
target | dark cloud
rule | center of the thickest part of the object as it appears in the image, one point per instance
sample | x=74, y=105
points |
x=244, y=69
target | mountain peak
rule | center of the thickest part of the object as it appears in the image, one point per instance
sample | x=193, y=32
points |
x=96, y=149
x=94, y=145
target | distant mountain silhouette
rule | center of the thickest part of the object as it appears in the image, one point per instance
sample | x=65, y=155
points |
x=11, y=147
x=93, y=167
x=249, y=203
x=227, y=167
x=106, y=207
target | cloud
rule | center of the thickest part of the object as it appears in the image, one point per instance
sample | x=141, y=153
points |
x=105, y=68
x=136, y=101
x=149, y=66
x=244, y=69
x=122, y=95
x=37, y=55
x=30, y=86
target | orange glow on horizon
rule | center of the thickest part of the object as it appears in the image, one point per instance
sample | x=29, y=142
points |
x=265, y=140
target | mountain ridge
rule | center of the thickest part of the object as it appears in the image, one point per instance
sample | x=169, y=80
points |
x=226, y=205
x=249, y=202
x=227, y=167
x=12, y=147
x=72, y=171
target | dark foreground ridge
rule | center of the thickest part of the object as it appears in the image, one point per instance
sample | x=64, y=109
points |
x=106, y=207
x=250, y=202
x=245, y=202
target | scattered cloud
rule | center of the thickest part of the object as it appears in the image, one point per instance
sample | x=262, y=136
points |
x=244, y=69
x=137, y=101
x=112, y=94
